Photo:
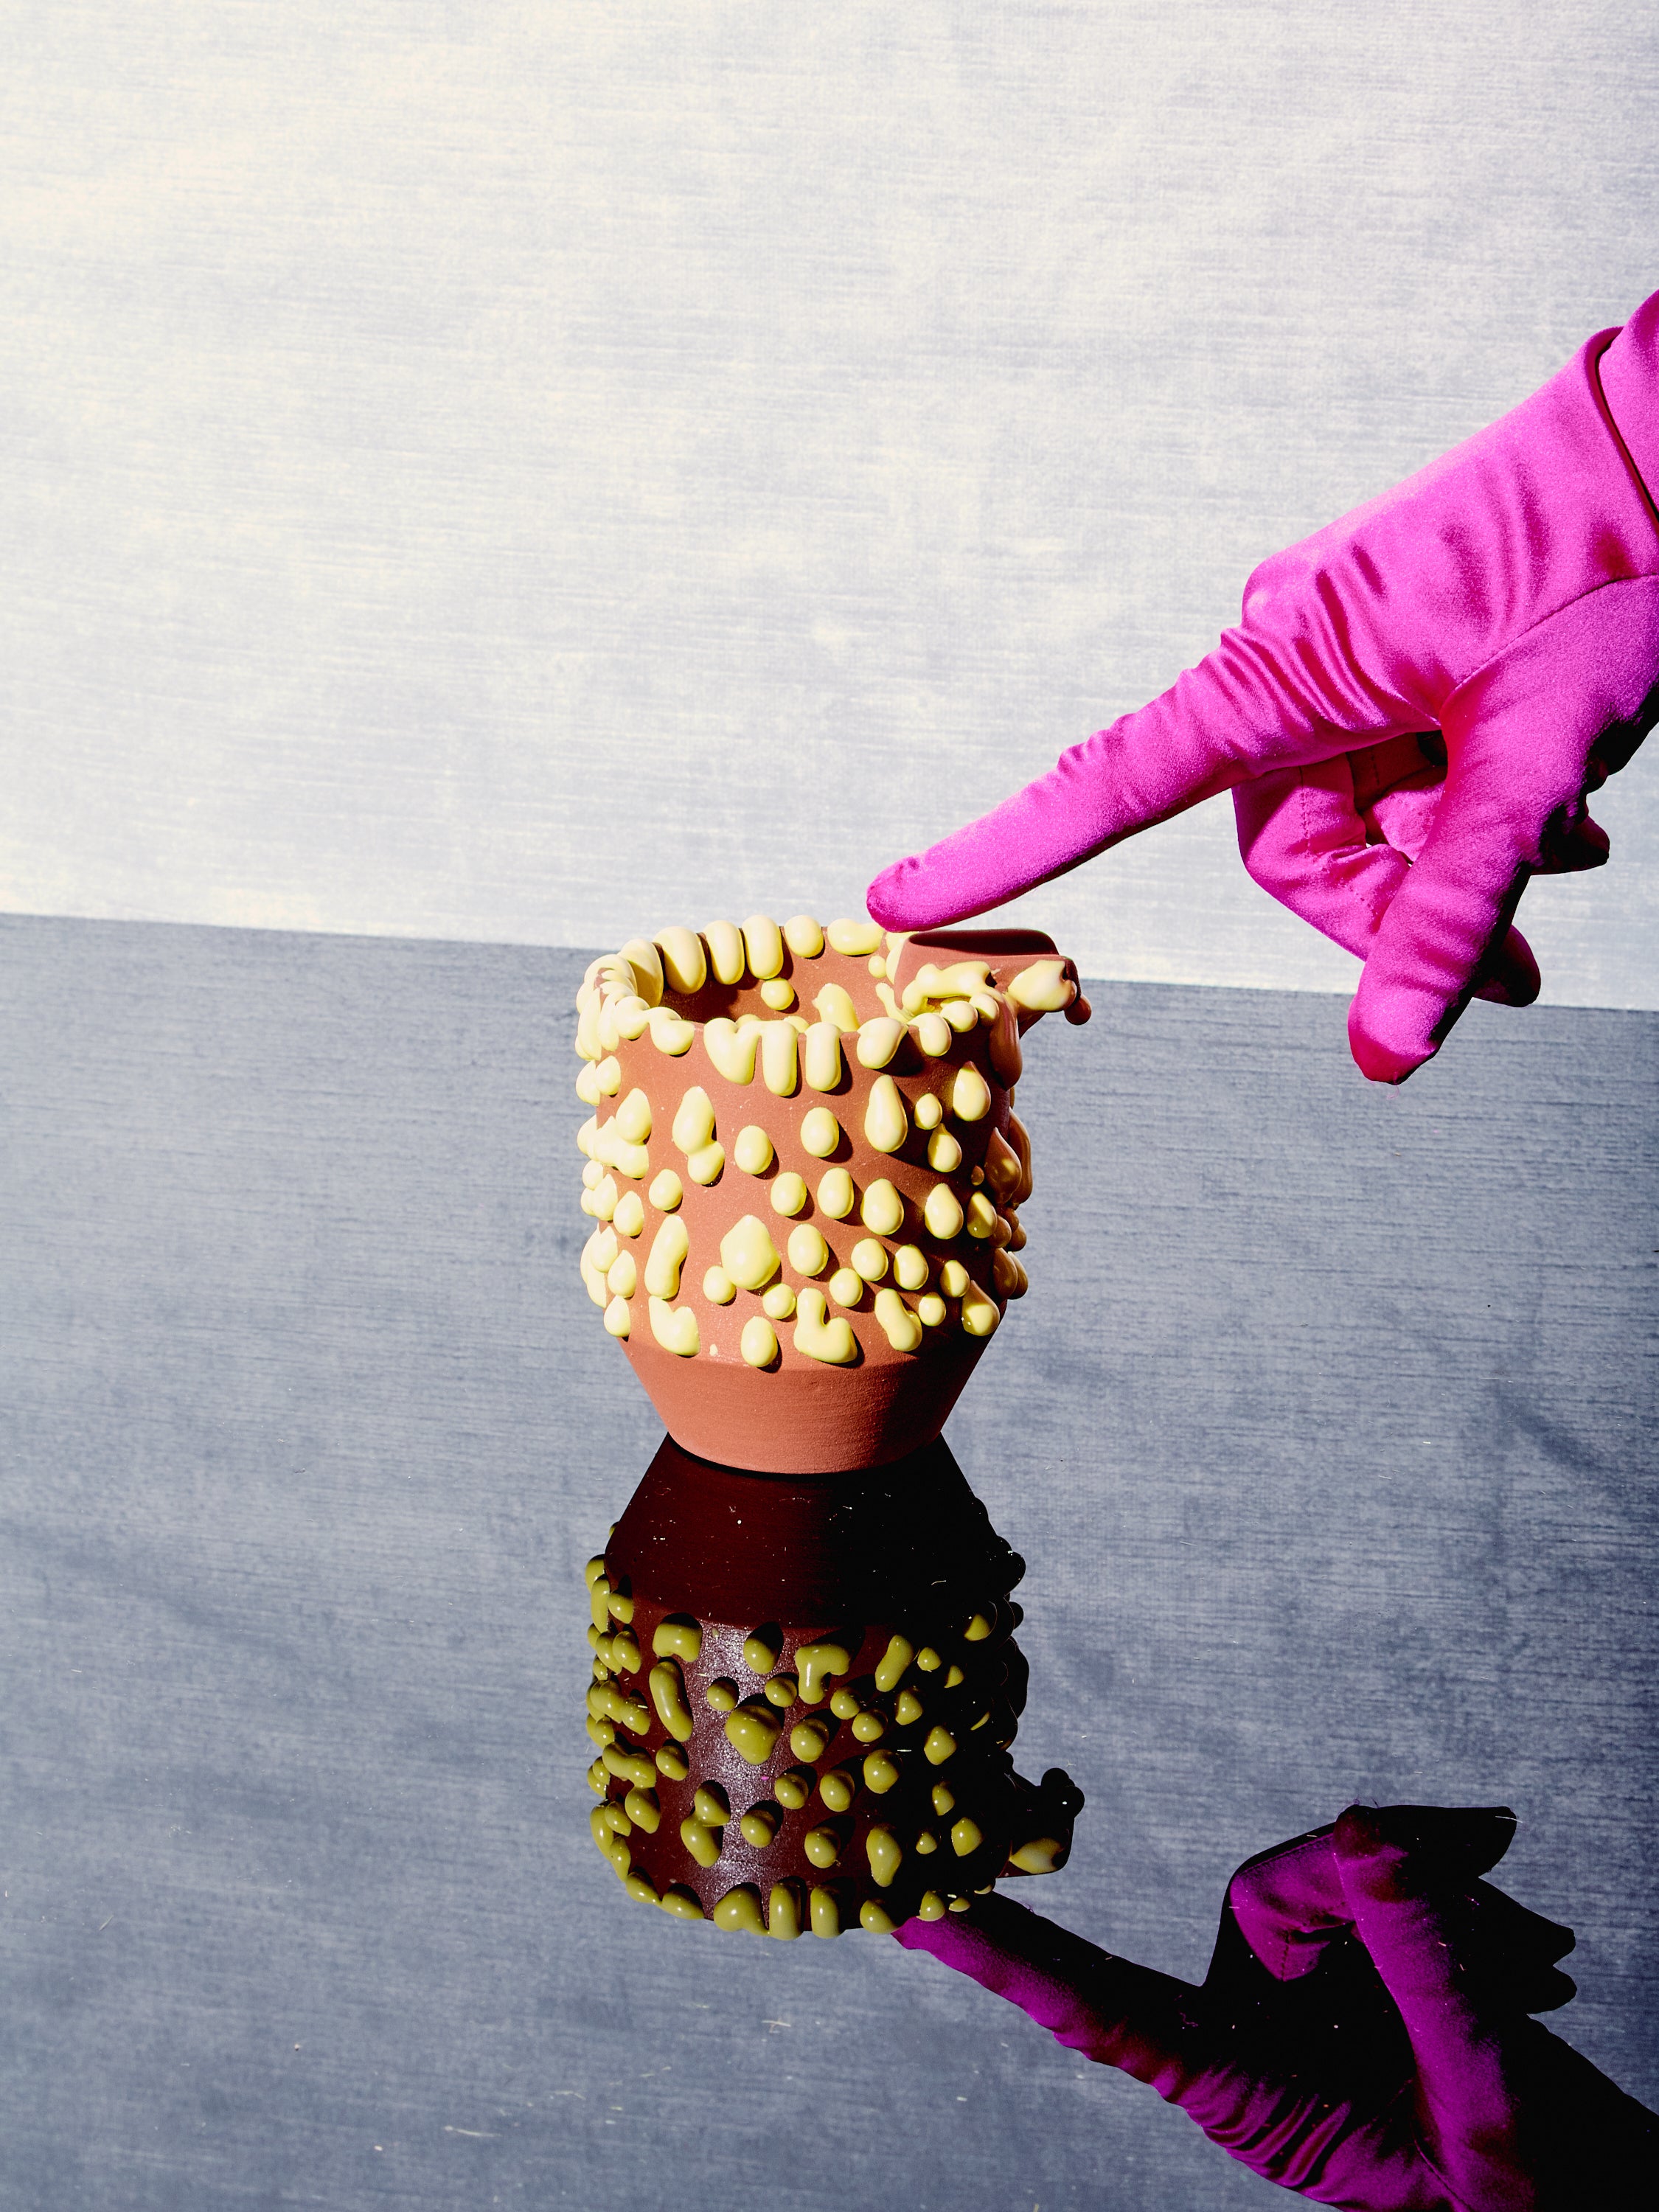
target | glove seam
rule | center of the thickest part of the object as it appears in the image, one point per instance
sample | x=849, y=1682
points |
x=1495, y=659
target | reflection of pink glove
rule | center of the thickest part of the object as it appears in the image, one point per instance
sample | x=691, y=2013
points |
x=1362, y=2036
x=1505, y=599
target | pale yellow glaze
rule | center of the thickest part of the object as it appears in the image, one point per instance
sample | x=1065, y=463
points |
x=623, y=1651
x=763, y=942
x=675, y=1327
x=807, y=1740
x=758, y=1343
x=748, y=1253
x=820, y=1057
x=869, y=1258
x=836, y=1789
x=979, y=1316
x=932, y=1908
x=668, y=1248
x=779, y=1303
x=641, y=1887
x=780, y=1058
x=630, y=1216
x=597, y=1777
x=837, y=1195
x=731, y=1049
x=822, y=1847
x=869, y=1726
x=929, y=1112
x=792, y=1790
x=789, y=1195
x=701, y=1842
x=621, y=1276
x=753, y=1731
x=808, y=1252
x=753, y=1149
x=804, y=935
x=954, y=1278
x=908, y=1709
x=683, y=967
x=668, y=1695
x=632, y=1767
x=758, y=1825
x=783, y=1912
x=944, y=1801
x=981, y=1624
x=665, y=1192
x=931, y=1310
x=903, y=1329
x=910, y=1268
x=944, y=1153
x=670, y=1033
x=889, y=1668
x=879, y=1040
x=818, y=1664
x=942, y=1213
x=607, y=1076
x=938, y=1746
x=819, y=1337
x=847, y=1286
x=711, y=1805
x=718, y=1287
x=881, y=1771
x=820, y=1132
x=725, y=942
x=1042, y=987
x=671, y=1762
x=970, y=1095
x=885, y=1854
x=632, y=1119
x=722, y=1695
x=928, y=1660
x=761, y=1648
x=779, y=993
x=927, y=1843
x=825, y=1912
x=954, y=1677
x=678, y=1636
x=739, y=1912
x=960, y=1016
x=591, y=1174
x=783, y=1691
x=981, y=1216
x=643, y=1810
x=705, y=1164
x=1041, y=1855
x=694, y=1120
x=856, y=938
x=933, y=1034
x=834, y=1006
x=966, y=1837
x=601, y=1201
x=844, y=1702
x=680, y=1903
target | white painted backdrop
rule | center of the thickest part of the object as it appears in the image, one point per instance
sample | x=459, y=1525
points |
x=525, y=471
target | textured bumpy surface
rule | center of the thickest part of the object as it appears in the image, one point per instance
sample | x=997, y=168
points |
x=803, y=1697
x=805, y=1165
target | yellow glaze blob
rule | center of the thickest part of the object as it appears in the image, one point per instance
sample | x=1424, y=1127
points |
x=758, y=1825
x=885, y=1854
x=835, y=1005
x=1008, y=1275
x=808, y=1252
x=908, y=1709
x=981, y=1216
x=639, y=1888
x=678, y=1636
x=903, y=1329
x=979, y=1313
x=675, y=1327
x=825, y=1912
x=970, y=1095
x=822, y=1847
x=665, y=1192
x=705, y=1164
x=783, y=1912
x=722, y=1695
x=836, y=1789
x=783, y=1691
x=763, y=942
x=617, y=1320
x=789, y=1195
x=938, y=1746
x=591, y=1174
x=1041, y=1855
x=694, y=1120
x=761, y=1648
x=837, y=1195
x=643, y=958
x=718, y=1287
x=703, y=1842
x=894, y=1660
x=758, y=1343
x=1042, y=987
x=879, y=1040
x=753, y=1149
x=803, y=936
x=818, y=1664
x=933, y=1034
x=711, y=1805
x=739, y=1912
x=820, y=1056
x=680, y=1903
x=944, y=1153
x=748, y=1253
x=943, y=1212
x=632, y=1119
x=792, y=1790
x=881, y=1772
x=597, y=1777
x=670, y=1033
x=621, y=1276
x=869, y=1726
x=929, y=1112
x=910, y=1268
x=753, y=1731
x=981, y=1624
x=587, y=1085
x=927, y=1843
x=623, y=1651
x=844, y=1702
x=630, y=1216
x=960, y=1016
x=731, y=1049
x=671, y=1761
x=932, y=1905
x=954, y=1278
x=856, y=938
x=807, y=1740
x=846, y=1286
x=954, y=1677
x=820, y=1132
x=882, y=1208
x=683, y=967
x=668, y=1695
x=668, y=1248
x=601, y=1201
x=725, y=942
x=779, y=1303
x=817, y=1337
x=869, y=1258
x=965, y=1836
x=780, y=1059
x=607, y=1076
x=944, y=1801
x=630, y=1766
x=643, y=1810
x=928, y=1660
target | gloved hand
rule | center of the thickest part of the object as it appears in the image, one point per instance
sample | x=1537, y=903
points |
x=1505, y=602
x=1362, y=2036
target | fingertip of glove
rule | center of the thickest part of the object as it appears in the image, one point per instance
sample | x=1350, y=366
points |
x=1514, y=978
x=1411, y=1846
x=1377, y=1060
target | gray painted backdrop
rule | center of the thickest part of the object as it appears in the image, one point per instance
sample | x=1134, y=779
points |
x=1327, y=1430
x=461, y=464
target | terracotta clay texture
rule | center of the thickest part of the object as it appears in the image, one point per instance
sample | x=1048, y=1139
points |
x=856, y=1561
x=797, y=1412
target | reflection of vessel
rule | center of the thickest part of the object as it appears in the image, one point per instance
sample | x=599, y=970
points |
x=805, y=1683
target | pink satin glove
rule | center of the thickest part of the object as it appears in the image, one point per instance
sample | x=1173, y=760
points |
x=1362, y=2037
x=1505, y=602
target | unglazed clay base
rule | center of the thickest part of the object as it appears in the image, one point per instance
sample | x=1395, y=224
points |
x=804, y=1696
x=805, y=1165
